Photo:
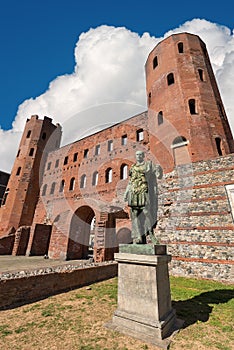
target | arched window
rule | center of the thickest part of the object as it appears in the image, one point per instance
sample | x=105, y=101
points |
x=62, y=185
x=192, y=106
x=179, y=140
x=72, y=184
x=109, y=173
x=170, y=79
x=83, y=181
x=44, y=189
x=123, y=172
x=52, y=189
x=160, y=118
x=31, y=152
x=140, y=135
x=155, y=62
x=218, y=142
x=18, y=171
x=95, y=178
x=180, y=47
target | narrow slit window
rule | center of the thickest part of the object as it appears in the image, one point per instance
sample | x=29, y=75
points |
x=65, y=160
x=97, y=150
x=180, y=47
x=5, y=196
x=149, y=98
x=28, y=134
x=192, y=106
x=110, y=145
x=124, y=140
x=160, y=118
x=75, y=157
x=44, y=189
x=201, y=74
x=155, y=62
x=218, y=145
x=18, y=153
x=52, y=189
x=86, y=153
x=49, y=166
x=18, y=171
x=31, y=152
x=57, y=163
x=170, y=79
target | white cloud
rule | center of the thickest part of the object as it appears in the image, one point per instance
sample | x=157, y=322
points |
x=109, y=72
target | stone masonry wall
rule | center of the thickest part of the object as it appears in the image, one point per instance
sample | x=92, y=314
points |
x=195, y=219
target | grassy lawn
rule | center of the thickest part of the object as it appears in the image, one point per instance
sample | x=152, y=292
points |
x=74, y=320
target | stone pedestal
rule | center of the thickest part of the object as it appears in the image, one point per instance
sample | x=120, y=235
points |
x=144, y=301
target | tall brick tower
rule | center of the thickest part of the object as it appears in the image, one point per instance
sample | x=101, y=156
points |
x=21, y=196
x=187, y=120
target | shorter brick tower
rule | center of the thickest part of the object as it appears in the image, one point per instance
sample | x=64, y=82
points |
x=21, y=196
x=187, y=120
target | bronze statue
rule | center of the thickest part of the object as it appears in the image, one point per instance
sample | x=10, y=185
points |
x=142, y=197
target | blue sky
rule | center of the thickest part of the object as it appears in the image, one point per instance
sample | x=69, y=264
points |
x=38, y=37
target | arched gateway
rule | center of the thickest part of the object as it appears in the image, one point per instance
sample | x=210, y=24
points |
x=79, y=233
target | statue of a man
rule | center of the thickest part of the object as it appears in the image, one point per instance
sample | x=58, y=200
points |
x=141, y=195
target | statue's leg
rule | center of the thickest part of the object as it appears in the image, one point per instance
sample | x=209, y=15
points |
x=136, y=225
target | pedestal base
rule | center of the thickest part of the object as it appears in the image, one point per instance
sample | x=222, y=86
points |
x=144, y=301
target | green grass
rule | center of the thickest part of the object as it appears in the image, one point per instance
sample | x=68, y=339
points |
x=75, y=320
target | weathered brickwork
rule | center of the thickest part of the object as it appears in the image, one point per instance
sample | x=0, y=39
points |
x=72, y=197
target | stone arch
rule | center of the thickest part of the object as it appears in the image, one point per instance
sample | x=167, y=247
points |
x=79, y=233
x=124, y=236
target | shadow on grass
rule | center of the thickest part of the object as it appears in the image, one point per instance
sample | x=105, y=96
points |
x=200, y=307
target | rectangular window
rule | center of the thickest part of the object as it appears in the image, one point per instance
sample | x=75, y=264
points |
x=124, y=140
x=110, y=145
x=65, y=160
x=140, y=135
x=57, y=163
x=49, y=166
x=97, y=150
x=75, y=157
x=86, y=153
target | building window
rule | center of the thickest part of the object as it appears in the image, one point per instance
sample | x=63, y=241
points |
x=28, y=134
x=43, y=136
x=75, y=157
x=149, y=98
x=140, y=135
x=97, y=150
x=86, y=153
x=124, y=140
x=192, y=106
x=31, y=152
x=179, y=141
x=44, y=189
x=72, y=184
x=83, y=181
x=155, y=62
x=18, y=153
x=49, y=166
x=108, y=177
x=18, y=171
x=62, y=186
x=160, y=118
x=219, y=145
x=180, y=47
x=110, y=146
x=65, y=160
x=52, y=188
x=57, y=163
x=123, y=172
x=5, y=196
x=95, y=178
x=201, y=75
x=170, y=79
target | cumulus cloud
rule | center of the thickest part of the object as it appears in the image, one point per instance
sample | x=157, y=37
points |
x=108, y=82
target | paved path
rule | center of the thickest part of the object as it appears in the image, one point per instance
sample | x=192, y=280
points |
x=18, y=263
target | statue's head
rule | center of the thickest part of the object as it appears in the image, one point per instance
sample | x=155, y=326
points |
x=140, y=155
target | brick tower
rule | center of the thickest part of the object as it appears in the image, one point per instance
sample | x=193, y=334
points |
x=21, y=196
x=187, y=120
